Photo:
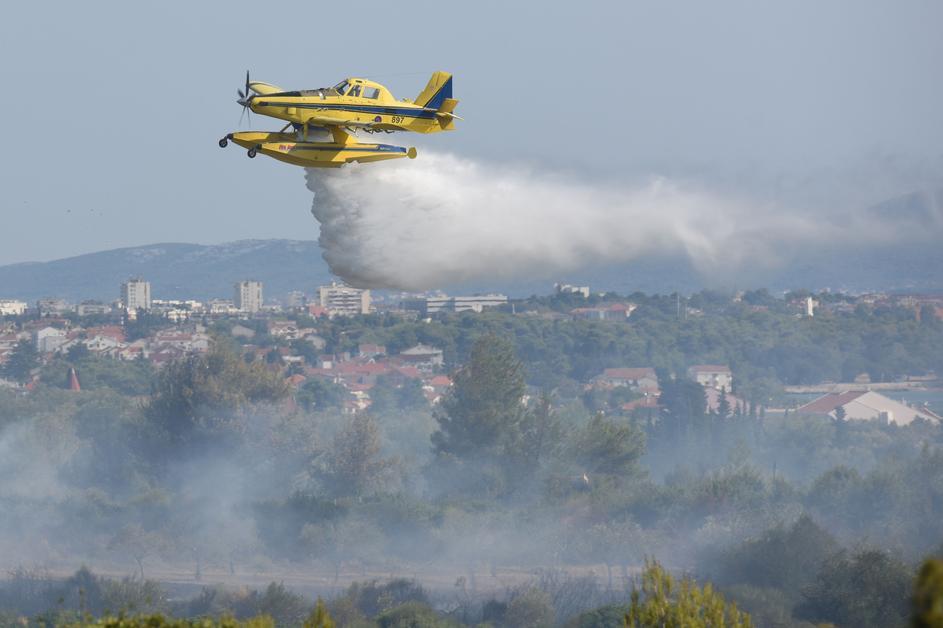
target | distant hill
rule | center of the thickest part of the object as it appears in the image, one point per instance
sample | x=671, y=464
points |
x=208, y=271
x=175, y=271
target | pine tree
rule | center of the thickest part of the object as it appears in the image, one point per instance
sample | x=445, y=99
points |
x=484, y=411
x=22, y=361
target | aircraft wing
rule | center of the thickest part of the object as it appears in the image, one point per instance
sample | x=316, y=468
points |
x=264, y=89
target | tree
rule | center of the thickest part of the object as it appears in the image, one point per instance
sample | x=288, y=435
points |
x=663, y=601
x=782, y=558
x=203, y=392
x=78, y=352
x=927, y=600
x=386, y=396
x=723, y=405
x=320, y=394
x=354, y=464
x=531, y=608
x=319, y=617
x=608, y=447
x=482, y=414
x=22, y=361
x=683, y=404
x=866, y=589
x=541, y=435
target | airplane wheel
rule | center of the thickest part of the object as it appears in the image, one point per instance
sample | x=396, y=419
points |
x=252, y=153
x=223, y=143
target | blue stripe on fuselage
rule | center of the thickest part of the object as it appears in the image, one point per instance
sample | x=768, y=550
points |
x=409, y=112
x=379, y=148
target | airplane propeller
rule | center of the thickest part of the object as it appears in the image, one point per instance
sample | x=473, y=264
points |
x=245, y=99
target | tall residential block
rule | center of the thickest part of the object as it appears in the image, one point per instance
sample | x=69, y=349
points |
x=344, y=300
x=136, y=295
x=247, y=296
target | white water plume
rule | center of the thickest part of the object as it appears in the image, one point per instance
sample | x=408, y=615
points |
x=442, y=220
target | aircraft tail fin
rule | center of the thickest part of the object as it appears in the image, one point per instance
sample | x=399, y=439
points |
x=437, y=90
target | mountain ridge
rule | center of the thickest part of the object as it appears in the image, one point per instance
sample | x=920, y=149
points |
x=181, y=270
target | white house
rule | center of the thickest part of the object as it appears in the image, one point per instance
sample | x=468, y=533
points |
x=48, y=339
x=711, y=375
x=864, y=405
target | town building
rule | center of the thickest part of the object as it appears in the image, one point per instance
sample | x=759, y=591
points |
x=52, y=307
x=136, y=295
x=436, y=304
x=864, y=405
x=610, y=312
x=367, y=350
x=643, y=378
x=48, y=339
x=712, y=376
x=810, y=305
x=10, y=307
x=296, y=299
x=247, y=296
x=92, y=308
x=221, y=306
x=176, y=310
x=339, y=299
x=422, y=357
x=565, y=288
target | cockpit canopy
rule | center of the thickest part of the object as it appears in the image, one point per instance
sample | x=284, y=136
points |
x=362, y=88
x=351, y=87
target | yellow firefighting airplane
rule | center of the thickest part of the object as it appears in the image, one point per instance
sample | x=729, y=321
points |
x=351, y=105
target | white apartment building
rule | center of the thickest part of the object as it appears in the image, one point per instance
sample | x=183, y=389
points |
x=10, y=307
x=247, y=296
x=48, y=339
x=339, y=299
x=136, y=295
x=427, y=306
x=92, y=308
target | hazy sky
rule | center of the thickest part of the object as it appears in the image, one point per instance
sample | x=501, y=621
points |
x=112, y=110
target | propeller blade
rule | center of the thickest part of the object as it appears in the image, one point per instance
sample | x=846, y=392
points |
x=241, y=95
x=247, y=82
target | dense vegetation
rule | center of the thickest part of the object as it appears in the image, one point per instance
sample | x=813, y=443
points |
x=538, y=499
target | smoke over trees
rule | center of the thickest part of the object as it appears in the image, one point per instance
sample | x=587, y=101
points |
x=518, y=496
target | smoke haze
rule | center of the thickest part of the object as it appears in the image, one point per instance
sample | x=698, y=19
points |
x=444, y=220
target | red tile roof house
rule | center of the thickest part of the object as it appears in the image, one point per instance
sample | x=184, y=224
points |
x=115, y=332
x=643, y=378
x=864, y=405
x=648, y=401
